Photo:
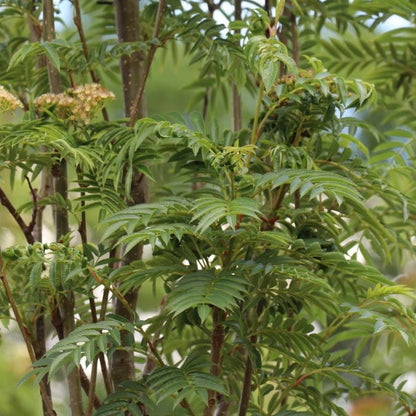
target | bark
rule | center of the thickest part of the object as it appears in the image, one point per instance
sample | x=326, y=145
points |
x=248, y=374
x=4, y=200
x=47, y=403
x=60, y=186
x=217, y=343
x=78, y=23
x=131, y=67
x=48, y=35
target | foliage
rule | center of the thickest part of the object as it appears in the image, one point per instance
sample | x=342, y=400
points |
x=269, y=240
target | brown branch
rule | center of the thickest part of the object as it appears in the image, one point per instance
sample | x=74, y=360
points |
x=217, y=343
x=48, y=34
x=35, y=227
x=78, y=23
x=267, y=7
x=212, y=6
x=60, y=186
x=104, y=370
x=60, y=328
x=4, y=200
x=32, y=223
x=148, y=64
x=93, y=401
x=295, y=36
x=82, y=225
x=246, y=391
x=92, y=398
x=43, y=389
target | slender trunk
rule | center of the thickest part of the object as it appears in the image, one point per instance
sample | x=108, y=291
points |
x=217, y=343
x=246, y=392
x=60, y=186
x=48, y=34
x=67, y=300
x=35, y=31
x=131, y=66
x=248, y=374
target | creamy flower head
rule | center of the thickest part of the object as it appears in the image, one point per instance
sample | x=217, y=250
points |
x=77, y=104
x=8, y=102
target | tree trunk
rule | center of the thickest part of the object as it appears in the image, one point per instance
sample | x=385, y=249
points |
x=60, y=186
x=131, y=66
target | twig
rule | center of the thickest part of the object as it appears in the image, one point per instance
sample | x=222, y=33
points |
x=79, y=26
x=4, y=200
x=91, y=393
x=104, y=370
x=82, y=226
x=148, y=64
x=43, y=390
x=32, y=223
x=92, y=398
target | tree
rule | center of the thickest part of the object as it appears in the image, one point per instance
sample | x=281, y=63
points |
x=256, y=231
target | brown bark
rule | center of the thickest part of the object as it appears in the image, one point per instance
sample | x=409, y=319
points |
x=60, y=185
x=246, y=391
x=131, y=67
x=217, y=343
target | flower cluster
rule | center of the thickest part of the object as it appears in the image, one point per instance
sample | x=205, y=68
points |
x=76, y=104
x=8, y=102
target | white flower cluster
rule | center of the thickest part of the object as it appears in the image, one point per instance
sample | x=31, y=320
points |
x=8, y=102
x=76, y=104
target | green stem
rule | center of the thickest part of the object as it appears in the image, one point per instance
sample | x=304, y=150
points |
x=254, y=137
x=298, y=376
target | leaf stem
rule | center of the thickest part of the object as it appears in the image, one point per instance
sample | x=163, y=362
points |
x=254, y=137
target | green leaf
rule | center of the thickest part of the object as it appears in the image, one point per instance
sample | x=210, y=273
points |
x=52, y=55
x=206, y=288
x=269, y=71
x=209, y=210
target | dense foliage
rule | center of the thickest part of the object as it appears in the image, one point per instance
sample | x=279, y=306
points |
x=268, y=238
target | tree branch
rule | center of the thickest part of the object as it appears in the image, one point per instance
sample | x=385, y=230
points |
x=43, y=389
x=32, y=223
x=60, y=185
x=4, y=200
x=217, y=343
x=148, y=64
x=78, y=23
x=246, y=391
